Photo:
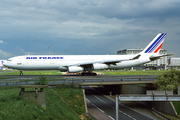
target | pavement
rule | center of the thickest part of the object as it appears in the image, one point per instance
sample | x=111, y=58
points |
x=102, y=108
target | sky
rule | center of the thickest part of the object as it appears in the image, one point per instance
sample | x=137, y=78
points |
x=86, y=27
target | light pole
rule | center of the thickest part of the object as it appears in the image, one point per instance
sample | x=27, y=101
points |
x=49, y=50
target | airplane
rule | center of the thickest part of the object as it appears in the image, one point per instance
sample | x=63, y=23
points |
x=87, y=63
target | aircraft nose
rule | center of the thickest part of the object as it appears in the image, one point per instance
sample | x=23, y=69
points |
x=5, y=64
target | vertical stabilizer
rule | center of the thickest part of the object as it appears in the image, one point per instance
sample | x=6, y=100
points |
x=155, y=45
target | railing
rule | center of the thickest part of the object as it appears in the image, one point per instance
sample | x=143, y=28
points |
x=13, y=82
x=79, y=80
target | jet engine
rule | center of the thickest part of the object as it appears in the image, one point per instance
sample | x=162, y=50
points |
x=74, y=69
x=100, y=66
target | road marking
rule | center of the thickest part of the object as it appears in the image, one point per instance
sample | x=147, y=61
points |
x=87, y=100
x=112, y=106
x=130, y=108
x=111, y=117
x=98, y=108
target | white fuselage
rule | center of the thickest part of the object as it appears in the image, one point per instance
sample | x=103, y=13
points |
x=77, y=63
x=59, y=62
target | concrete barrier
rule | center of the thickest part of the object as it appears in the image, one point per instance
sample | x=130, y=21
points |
x=159, y=92
x=30, y=96
x=132, y=89
x=165, y=107
x=85, y=104
x=36, y=97
x=125, y=89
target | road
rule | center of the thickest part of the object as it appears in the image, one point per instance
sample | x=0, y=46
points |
x=102, y=107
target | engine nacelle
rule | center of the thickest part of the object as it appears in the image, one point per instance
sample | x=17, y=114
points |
x=100, y=66
x=74, y=69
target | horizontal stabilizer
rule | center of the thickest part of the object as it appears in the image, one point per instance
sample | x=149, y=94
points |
x=152, y=58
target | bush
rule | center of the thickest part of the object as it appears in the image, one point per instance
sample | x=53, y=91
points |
x=43, y=80
x=168, y=81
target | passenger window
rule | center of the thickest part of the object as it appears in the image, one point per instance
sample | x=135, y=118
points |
x=19, y=63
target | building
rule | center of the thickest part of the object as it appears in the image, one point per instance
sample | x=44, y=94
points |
x=157, y=64
x=129, y=51
x=174, y=63
x=1, y=64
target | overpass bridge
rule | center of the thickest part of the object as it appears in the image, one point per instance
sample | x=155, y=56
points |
x=13, y=80
x=108, y=80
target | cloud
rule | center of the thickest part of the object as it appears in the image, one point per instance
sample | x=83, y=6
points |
x=1, y=41
x=4, y=55
x=75, y=27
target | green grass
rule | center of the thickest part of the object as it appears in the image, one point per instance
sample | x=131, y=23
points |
x=73, y=97
x=177, y=106
x=138, y=72
x=41, y=72
x=115, y=72
x=12, y=107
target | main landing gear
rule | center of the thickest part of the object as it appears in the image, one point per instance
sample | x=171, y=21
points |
x=21, y=74
x=88, y=74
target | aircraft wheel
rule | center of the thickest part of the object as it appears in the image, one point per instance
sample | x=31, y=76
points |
x=94, y=74
x=21, y=74
x=83, y=74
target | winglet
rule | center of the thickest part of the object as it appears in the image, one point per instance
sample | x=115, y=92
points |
x=155, y=45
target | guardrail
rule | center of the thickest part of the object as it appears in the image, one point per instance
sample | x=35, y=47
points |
x=13, y=82
x=78, y=80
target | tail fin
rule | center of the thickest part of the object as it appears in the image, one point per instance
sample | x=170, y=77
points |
x=155, y=45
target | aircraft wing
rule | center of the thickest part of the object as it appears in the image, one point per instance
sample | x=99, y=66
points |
x=94, y=62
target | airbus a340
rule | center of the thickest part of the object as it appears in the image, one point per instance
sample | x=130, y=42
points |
x=87, y=63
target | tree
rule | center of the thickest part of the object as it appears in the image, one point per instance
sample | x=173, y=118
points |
x=168, y=81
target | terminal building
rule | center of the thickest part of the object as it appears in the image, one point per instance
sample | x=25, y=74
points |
x=174, y=63
x=157, y=64
x=1, y=64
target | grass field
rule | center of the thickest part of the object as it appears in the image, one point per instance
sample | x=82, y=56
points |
x=73, y=97
x=134, y=72
x=57, y=72
x=177, y=106
x=12, y=107
x=40, y=72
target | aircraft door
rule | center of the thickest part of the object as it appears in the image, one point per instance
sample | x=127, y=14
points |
x=19, y=63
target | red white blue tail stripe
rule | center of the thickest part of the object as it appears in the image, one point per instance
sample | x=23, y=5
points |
x=156, y=44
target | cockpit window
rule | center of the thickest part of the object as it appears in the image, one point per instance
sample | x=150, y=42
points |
x=10, y=60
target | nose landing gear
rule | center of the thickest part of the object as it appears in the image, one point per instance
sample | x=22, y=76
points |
x=21, y=74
